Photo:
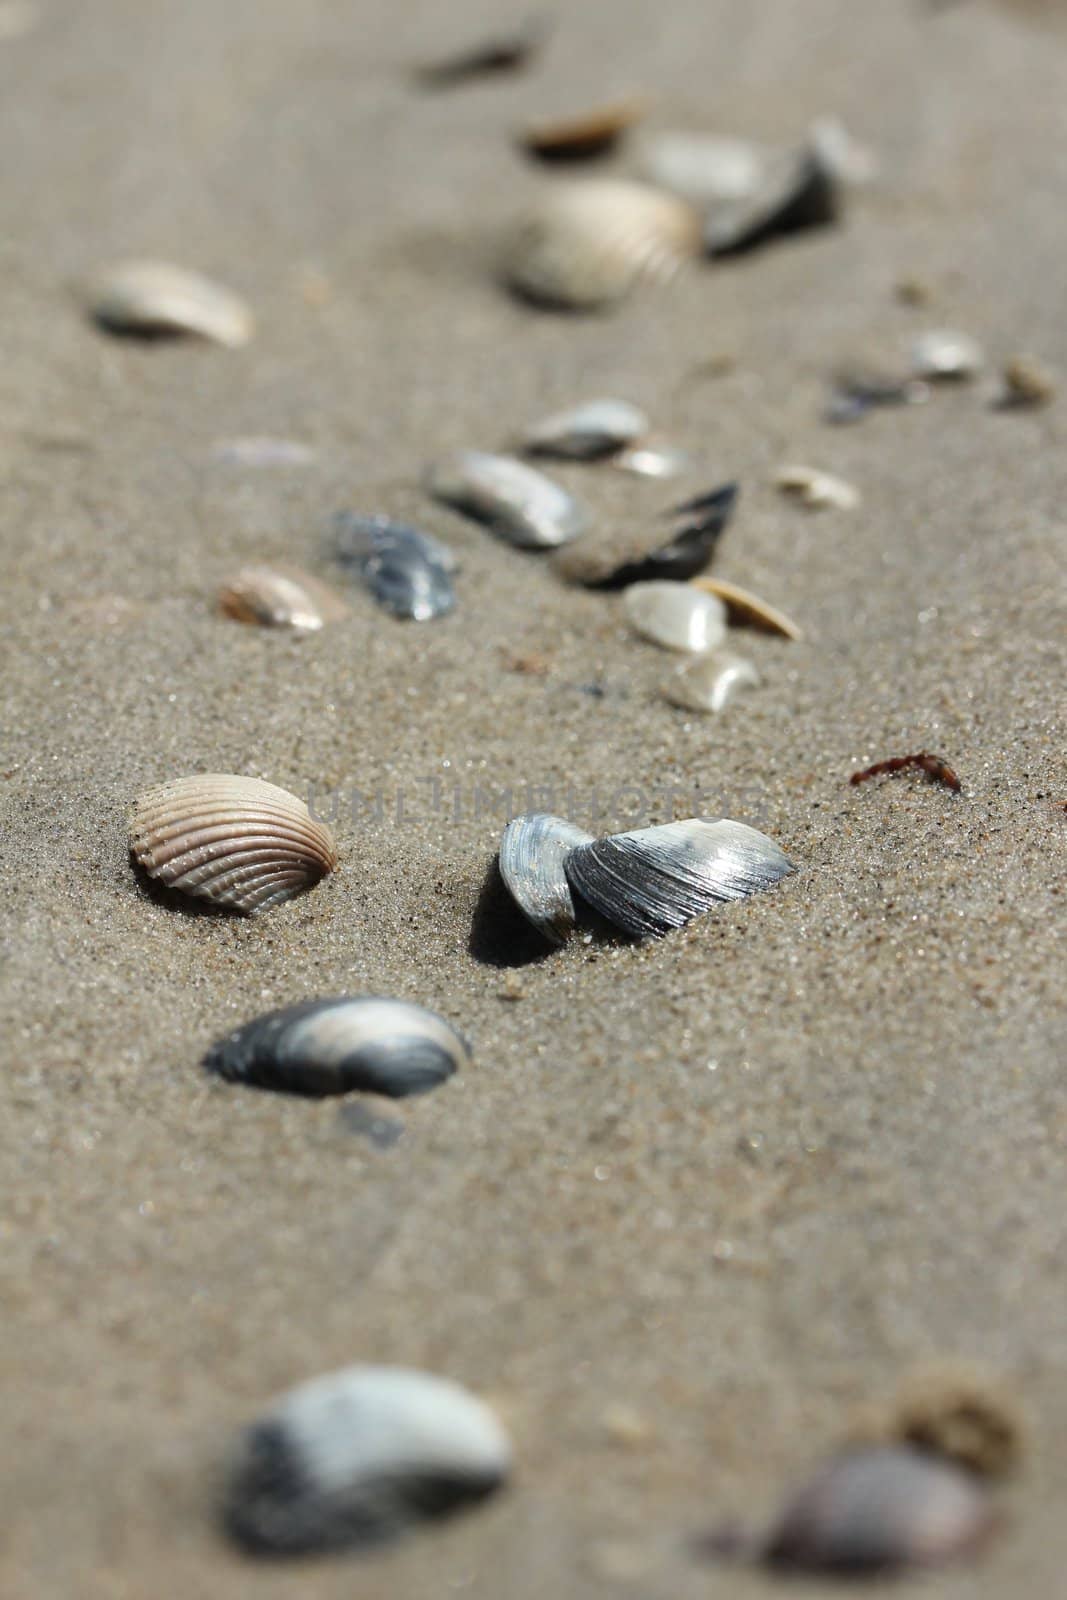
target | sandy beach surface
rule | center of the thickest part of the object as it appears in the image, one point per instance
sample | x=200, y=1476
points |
x=696, y=1203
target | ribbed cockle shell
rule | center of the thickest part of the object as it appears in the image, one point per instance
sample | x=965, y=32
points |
x=238, y=842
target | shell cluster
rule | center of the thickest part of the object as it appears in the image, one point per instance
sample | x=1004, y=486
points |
x=646, y=882
x=355, y=1458
x=326, y=1047
x=236, y=842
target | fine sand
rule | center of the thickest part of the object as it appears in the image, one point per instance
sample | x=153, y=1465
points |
x=695, y=1204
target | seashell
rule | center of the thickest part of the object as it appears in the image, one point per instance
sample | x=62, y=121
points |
x=655, y=879
x=358, y=1457
x=581, y=137
x=151, y=299
x=262, y=451
x=1027, y=382
x=942, y=355
x=503, y=53
x=854, y=394
x=841, y=152
x=703, y=168
x=238, y=842
x=408, y=572
x=745, y=608
x=516, y=502
x=585, y=245
x=651, y=460
x=281, y=597
x=710, y=682
x=532, y=852
x=324, y=1047
x=598, y=428
x=881, y=1509
x=598, y=565
x=816, y=489
x=675, y=615
x=798, y=191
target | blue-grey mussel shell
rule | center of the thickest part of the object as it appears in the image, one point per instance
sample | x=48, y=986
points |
x=533, y=850
x=655, y=879
x=324, y=1047
x=408, y=572
x=357, y=1457
x=879, y=1509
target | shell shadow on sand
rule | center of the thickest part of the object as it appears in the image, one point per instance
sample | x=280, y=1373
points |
x=500, y=935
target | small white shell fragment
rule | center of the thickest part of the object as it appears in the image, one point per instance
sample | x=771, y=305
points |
x=263, y=451
x=702, y=167
x=816, y=489
x=280, y=597
x=357, y=1457
x=153, y=298
x=943, y=354
x=710, y=682
x=651, y=460
x=841, y=152
x=675, y=615
x=237, y=842
x=581, y=433
x=585, y=245
x=515, y=501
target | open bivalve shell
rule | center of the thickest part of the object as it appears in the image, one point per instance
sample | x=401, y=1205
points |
x=533, y=850
x=585, y=245
x=237, y=842
x=325, y=1047
x=655, y=879
x=359, y=1457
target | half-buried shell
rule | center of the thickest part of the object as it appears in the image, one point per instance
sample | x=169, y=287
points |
x=585, y=245
x=798, y=190
x=515, y=501
x=357, y=1458
x=280, y=597
x=655, y=879
x=325, y=1047
x=533, y=850
x=237, y=842
x=587, y=432
x=152, y=299
x=409, y=573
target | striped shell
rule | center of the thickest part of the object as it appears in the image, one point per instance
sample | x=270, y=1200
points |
x=584, y=245
x=152, y=299
x=238, y=842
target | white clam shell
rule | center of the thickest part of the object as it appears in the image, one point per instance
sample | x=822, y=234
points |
x=944, y=354
x=702, y=167
x=675, y=615
x=533, y=850
x=358, y=1456
x=237, y=842
x=816, y=489
x=710, y=682
x=515, y=501
x=581, y=433
x=280, y=597
x=155, y=298
x=584, y=245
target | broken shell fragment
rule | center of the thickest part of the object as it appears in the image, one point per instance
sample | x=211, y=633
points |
x=586, y=432
x=582, y=137
x=237, y=842
x=655, y=879
x=1027, y=382
x=597, y=565
x=881, y=1509
x=532, y=852
x=944, y=356
x=325, y=1047
x=280, y=597
x=515, y=501
x=651, y=460
x=675, y=616
x=748, y=609
x=816, y=489
x=263, y=451
x=710, y=682
x=358, y=1457
x=408, y=572
x=586, y=245
x=798, y=191
x=151, y=299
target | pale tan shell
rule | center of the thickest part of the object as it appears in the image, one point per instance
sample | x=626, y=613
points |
x=155, y=298
x=583, y=245
x=280, y=597
x=744, y=607
x=238, y=842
